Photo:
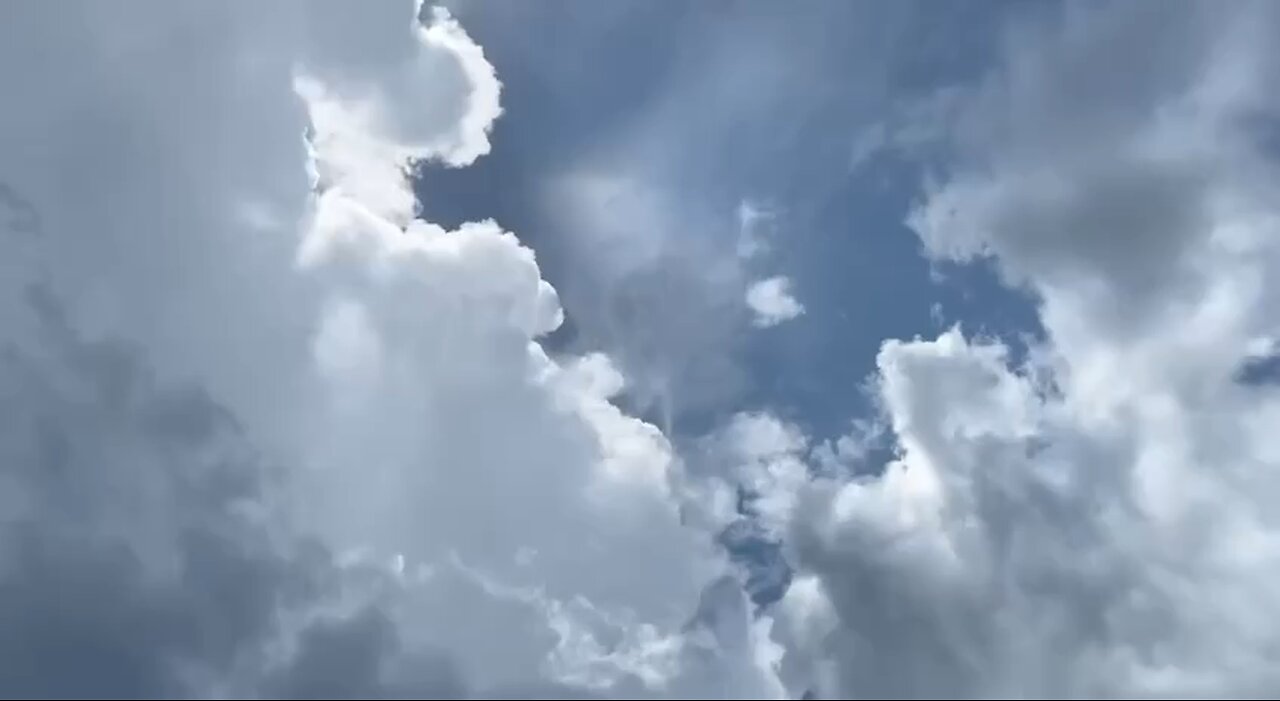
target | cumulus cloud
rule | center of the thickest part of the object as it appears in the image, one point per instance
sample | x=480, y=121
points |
x=269, y=433
x=382, y=485
x=772, y=301
x=1091, y=520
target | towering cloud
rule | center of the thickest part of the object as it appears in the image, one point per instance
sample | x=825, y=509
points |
x=271, y=434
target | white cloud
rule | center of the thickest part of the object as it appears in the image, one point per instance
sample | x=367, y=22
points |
x=772, y=301
x=1094, y=521
x=388, y=367
x=766, y=458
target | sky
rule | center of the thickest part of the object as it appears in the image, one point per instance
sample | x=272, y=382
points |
x=714, y=349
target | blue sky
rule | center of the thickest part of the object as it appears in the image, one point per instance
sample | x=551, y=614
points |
x=720, y=103
x=717, y=105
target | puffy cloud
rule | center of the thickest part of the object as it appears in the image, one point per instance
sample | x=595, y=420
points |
x=225, y=188
x=1092, y=520
x=381, y=97
x=772, y=301
x=765, y=460
x=759, y=460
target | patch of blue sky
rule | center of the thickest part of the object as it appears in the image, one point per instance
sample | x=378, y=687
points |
x=691, y=108
x=729, y=102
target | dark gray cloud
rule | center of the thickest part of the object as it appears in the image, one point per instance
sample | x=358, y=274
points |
x=140, y=559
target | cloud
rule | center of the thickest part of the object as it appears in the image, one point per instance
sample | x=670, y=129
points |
x=431, y=505
x=1091, y=520
x=269, y=432
x=378, y=107
x=664, y=218
x=1261, y=365
x=141, y=554
x=652, y=284
x=753, y=220
x=772, y=301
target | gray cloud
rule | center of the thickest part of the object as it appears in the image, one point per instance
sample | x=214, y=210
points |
x=137, y=561
x=1093, y=521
